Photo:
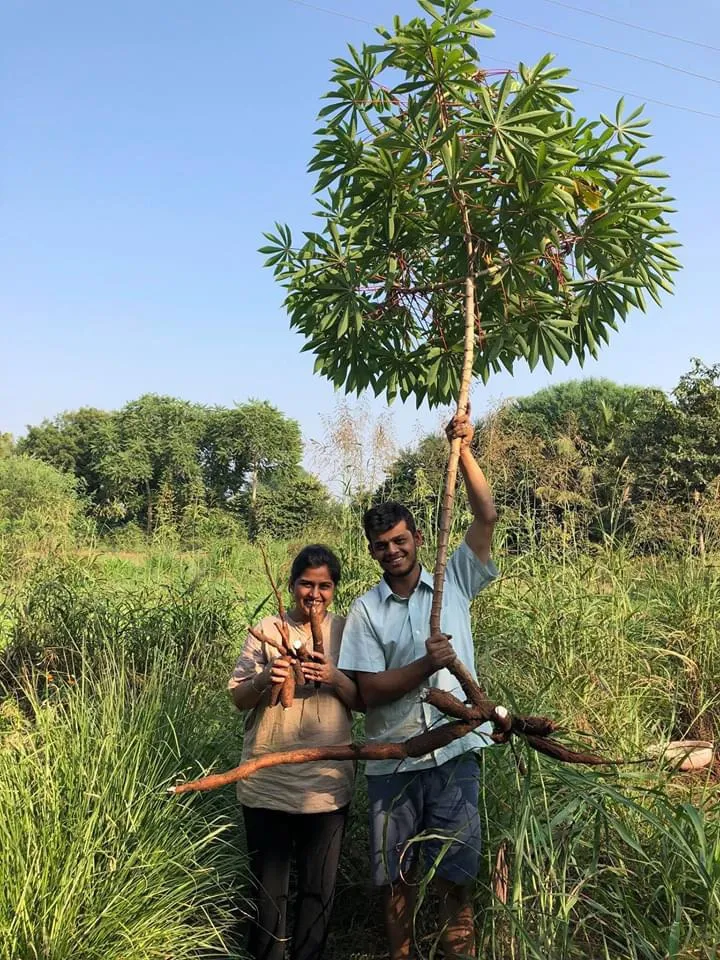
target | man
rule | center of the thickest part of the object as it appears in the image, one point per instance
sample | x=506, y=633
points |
x=384, y=646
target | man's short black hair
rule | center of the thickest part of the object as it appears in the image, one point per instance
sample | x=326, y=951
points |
x=315, y=555
x=384, y=516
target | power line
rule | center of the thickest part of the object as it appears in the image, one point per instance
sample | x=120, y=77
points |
x=601, y=46
x=640, y=96
x=590, y=83
x=634, y=26
x=334, y=13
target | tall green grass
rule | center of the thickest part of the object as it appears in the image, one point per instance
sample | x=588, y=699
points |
x=120, y=660
x=190, y=607
x=97, y=861
x=599, y=865
x=625, y=654
x=628, y=650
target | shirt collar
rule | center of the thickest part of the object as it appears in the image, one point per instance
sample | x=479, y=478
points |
x=385, y=591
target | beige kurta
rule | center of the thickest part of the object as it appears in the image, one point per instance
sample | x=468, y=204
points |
x=317, y=718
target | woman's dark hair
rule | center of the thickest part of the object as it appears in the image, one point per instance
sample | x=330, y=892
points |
x=315, y=555
x=386, y=515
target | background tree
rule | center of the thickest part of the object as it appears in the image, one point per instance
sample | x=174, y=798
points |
x=693, y=454
x=74, y=442
x=462, y=210
x=288, y=506
x=587, y=429
x=164, y=462
x=244, y=447
x=150, y=456
x=415, y=476
x=597, y=410
x=7, y=444
x=676, y=448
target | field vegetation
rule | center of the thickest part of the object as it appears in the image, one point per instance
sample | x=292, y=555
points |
x=116, y=640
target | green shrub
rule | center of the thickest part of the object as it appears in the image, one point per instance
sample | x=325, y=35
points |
x=39, y=510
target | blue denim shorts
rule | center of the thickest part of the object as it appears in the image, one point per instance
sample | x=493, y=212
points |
x=430, y=814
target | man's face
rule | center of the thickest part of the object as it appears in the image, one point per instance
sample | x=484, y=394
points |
x=396, y=549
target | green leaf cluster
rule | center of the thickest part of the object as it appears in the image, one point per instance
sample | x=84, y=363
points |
x=419, y=144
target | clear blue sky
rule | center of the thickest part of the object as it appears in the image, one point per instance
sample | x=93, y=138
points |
x=146, y=146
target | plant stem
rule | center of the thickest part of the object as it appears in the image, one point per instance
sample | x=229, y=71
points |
x=462, y=407
x=460, y=671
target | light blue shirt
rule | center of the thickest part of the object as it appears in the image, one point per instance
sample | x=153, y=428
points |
x=384, y=631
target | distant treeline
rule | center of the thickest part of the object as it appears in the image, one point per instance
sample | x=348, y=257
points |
x=581, y=460
x=590, y=458
x=164, y=463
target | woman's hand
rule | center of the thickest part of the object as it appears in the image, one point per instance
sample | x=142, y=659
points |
x=319, y=669
x=279, y=669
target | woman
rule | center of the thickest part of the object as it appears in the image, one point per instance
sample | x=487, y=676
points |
x=297, y=810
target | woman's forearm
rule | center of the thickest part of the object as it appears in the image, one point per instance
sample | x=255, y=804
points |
x=248, y=693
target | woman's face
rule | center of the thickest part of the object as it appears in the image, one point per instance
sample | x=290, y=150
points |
x=313, y=589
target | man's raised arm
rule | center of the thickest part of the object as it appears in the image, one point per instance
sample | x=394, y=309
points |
x=480, y=532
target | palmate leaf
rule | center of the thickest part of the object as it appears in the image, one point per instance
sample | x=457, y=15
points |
x=568, y=215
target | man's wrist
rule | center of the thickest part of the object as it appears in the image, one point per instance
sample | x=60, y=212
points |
x=429, y=667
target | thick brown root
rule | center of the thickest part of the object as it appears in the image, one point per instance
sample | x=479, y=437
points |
x=415, y=747
x=551, y=748
x=534, y=726
x=287, y=690
x=317, y=637
x=275, y=692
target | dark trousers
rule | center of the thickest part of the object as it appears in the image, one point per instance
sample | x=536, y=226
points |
x=273, y=838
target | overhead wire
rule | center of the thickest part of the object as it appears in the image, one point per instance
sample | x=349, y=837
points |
x=591, y=83
x=641, y=96
x=634, y=26
x=334, y=13
x=602, y=46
